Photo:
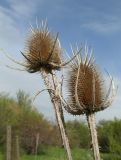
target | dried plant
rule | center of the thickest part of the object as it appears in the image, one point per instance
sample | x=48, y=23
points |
x=42, y=51
x=87, y=93
x=87, y=87
x=43, y=54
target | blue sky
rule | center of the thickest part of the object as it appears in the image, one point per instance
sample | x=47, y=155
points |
x=98, y=23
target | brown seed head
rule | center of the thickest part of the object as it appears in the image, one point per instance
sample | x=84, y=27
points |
x=86, y=88
x=43, y=51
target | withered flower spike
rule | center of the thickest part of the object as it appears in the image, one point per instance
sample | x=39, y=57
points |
x=12, y=59
x=111, y=93
x=37, y=24
x=86, y=60
x=85, y=54
x=91, y=59
x=26, y=57
x=65, y=104
x=43, y=52
x=78, y=103
x=93, y=91
x=32, y=29
x=64, y=64
x=39, y=92
x=73, y=53
x=59, y=44
x=14, y=68
x=69, y=57
x=43, y=25
x=50, y=55
x=87, y=89
x=87, y=95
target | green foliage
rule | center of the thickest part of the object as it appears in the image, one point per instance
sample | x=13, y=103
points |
x=115, y=149
x=8, y=110
x=9, y=113
x=26, y=123
x=103, y=135
x=110, y=136
x=78, y=134
x=24, y=100
x=32, y=124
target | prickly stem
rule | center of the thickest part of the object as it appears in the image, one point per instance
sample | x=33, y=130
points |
x=93, y=133
x=55, y=99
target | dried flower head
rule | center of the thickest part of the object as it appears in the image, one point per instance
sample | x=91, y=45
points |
x=43, y=51
x=86, y=87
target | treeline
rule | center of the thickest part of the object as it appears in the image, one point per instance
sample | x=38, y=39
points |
x=34, y=131
x=26, y=122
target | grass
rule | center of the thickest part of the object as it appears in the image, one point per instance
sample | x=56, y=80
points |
x=56, y=153
x=1, y=157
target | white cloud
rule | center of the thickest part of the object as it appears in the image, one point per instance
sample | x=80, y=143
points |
x=103, y=27
x=24, y=8
x=103, y=23
x=10, y=35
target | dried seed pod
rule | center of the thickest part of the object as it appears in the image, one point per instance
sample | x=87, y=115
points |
x=43, y=51
x=86, y=88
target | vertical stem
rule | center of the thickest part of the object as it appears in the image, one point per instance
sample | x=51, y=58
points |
x=17, y=148
x=8, y=152
x=36, y=146
x=93, y=133
x=59, y=114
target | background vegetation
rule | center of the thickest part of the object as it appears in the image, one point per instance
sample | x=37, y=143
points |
x=27, y=123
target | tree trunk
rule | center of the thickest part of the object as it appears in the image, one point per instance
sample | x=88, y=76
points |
x=8, y=151
x=15, y=155
x=17, y=148
x=93, y=133
x=55, y=99
x=36, y=145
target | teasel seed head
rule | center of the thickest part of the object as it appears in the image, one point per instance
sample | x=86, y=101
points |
x=86, y=87
x=43, y=50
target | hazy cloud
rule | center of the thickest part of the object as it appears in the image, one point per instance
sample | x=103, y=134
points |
x=103, y=27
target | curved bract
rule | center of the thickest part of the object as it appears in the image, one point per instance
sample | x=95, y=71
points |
x=42, y=51
x=86, y=88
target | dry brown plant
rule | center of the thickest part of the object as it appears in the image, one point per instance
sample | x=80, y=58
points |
x=43, y=54
x=88, y=93
x=42, y=51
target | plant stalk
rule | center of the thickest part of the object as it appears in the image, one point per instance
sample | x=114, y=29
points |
x=55, y=99
x=93, y=133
